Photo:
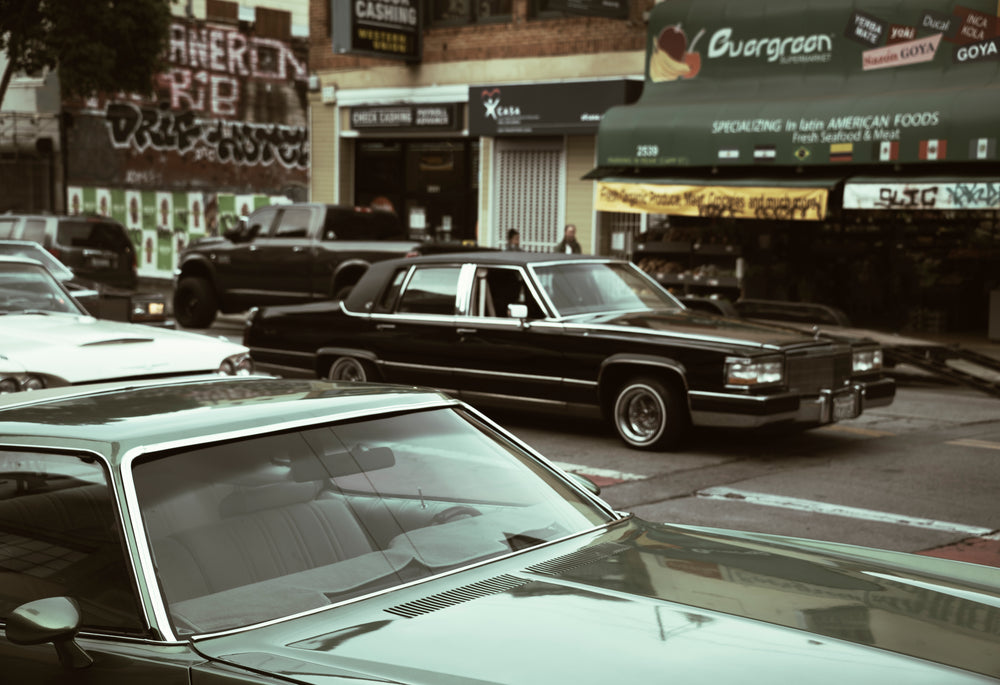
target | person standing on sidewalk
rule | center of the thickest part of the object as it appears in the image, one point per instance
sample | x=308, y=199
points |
x=568, y=244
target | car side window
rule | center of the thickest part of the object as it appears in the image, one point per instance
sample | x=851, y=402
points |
x=6, y=228
x=59, y=537
x=388, y=299
x=431, y=290
x=259, y=223
x=34, y=230
x=293, y=223
x=495, y=288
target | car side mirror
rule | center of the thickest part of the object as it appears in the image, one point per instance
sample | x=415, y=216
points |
x=55, y=620
x=517, y=311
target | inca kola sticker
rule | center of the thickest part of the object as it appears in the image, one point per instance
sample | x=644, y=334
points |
x=672, y=58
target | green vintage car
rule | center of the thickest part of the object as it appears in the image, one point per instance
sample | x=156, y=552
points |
x=259, y=530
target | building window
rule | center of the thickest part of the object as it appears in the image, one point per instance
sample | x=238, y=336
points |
x=222, y=11
x=273, y=24
x=446, y=12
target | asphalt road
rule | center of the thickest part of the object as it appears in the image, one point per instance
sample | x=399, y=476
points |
x=921, y=475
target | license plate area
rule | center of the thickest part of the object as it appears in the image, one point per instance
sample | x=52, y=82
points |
x=845, y=406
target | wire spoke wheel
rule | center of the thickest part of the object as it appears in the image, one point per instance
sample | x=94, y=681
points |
x=649, y=414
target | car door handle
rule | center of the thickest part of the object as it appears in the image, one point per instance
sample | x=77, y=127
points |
x=299, y=248
x=385, y=326
x=466, y=331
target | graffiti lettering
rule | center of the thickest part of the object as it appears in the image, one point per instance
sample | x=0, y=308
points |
x=227, y=142
x=227, y=51
x=899, y=197
x=202, y=91
x=131, y=126
x=973, y=195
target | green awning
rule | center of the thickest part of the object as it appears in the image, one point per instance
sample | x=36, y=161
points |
x=779, y=83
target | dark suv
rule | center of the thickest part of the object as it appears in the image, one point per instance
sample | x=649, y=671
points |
x=95, y=248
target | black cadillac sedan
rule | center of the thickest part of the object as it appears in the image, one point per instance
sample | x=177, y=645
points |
x=585, y=335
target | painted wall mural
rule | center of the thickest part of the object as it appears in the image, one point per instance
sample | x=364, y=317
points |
x=229, y=115
x=161, y=223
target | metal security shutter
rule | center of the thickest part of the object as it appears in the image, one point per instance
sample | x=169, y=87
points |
x=528, y=191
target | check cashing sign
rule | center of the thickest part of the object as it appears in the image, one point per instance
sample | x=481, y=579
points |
x=789, y=83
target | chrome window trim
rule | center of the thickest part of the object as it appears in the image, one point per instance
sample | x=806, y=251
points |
x=114, y=483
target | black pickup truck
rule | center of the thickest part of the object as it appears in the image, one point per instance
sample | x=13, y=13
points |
x=287, y=254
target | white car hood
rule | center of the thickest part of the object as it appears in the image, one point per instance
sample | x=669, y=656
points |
x=82, y=349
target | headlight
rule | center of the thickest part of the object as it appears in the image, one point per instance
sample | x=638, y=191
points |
x=236, y=365
x=866, y=361
x=742, y=372
x=9, y=384
x=147, y=309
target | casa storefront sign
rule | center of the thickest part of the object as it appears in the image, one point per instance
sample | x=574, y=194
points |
x=802, y=84
x=893, y=194
x=736, y=202
x=389, y=29
x=546, y=109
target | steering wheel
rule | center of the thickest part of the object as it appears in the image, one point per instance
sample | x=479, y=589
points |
x=454, y=513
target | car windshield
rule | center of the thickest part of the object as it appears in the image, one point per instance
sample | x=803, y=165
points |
x=595, y=287
x=249, y=531
x=29, y=288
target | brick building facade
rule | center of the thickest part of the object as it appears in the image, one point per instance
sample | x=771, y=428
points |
x=491, y=128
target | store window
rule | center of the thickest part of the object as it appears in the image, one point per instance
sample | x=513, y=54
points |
x=452, y=12
x=430, y=184
x=546, y=9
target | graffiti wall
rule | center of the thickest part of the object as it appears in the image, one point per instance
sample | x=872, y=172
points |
x=162, y=223
x=229, y=115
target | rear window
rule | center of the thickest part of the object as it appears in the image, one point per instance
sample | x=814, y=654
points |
x=101, y=235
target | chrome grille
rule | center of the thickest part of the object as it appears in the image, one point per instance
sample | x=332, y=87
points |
x=810, y=371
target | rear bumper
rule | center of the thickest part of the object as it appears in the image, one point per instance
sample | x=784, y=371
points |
x=747, y=411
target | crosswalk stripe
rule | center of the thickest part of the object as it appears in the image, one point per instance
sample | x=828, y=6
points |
x=985, y=444
x=811, y=506
x=600, y=473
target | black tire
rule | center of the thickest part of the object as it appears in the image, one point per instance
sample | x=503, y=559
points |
x=195, y=303
x=649, y=414
x=350, y=369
